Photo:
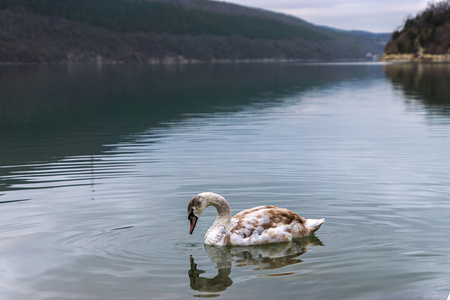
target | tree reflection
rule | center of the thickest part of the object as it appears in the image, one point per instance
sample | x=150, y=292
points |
x=427, y=83
x=262, y=257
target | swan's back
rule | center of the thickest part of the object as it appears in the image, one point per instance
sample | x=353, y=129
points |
x=266, y=224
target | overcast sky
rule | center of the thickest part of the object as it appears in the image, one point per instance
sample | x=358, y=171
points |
x=370, y=15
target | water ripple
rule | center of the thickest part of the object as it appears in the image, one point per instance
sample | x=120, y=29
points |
x=73, y=171
x=130, y=245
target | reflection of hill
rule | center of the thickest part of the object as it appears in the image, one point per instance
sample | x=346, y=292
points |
x=271, y=256
x=427, y=83
x=60, y=111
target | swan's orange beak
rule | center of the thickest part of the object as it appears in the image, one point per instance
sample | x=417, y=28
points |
x=193, y=219
x=193, y=222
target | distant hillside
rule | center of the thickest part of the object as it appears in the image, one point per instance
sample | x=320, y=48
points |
x=164, y=30
x=381, y=38
x=425, y=37
x=378, y=39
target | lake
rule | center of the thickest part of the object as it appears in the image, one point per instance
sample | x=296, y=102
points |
x=98, y=163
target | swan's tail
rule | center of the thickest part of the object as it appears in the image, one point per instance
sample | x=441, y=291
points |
x=314, y=224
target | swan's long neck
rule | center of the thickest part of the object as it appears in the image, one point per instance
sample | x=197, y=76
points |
x=220, y=227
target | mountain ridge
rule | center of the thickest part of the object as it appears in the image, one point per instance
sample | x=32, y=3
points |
x=169, y=30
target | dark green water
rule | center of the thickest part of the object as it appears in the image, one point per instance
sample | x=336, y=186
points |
x=98, y=163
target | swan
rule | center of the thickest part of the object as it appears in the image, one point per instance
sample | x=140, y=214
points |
x=259, y=225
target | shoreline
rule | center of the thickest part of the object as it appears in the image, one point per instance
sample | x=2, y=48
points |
x=415, y=57
x=183, y=61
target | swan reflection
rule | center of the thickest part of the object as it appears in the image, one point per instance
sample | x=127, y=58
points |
x=261, y=257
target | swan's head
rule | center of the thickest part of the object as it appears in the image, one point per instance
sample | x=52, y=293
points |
x=197, y=205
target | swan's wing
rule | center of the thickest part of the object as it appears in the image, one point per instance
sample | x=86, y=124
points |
x=266, y=224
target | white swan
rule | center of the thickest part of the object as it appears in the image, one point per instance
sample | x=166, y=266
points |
x=254, y=226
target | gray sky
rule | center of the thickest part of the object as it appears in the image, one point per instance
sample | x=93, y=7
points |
x=370, y=15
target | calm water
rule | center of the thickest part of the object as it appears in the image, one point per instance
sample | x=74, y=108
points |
x=98, y=163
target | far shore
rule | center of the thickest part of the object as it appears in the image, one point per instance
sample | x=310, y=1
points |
x=181, y=60
x=415, y=57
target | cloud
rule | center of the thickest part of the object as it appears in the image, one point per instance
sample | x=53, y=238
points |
x=371, y=15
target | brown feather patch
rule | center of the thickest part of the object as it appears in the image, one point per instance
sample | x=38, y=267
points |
x=267, y=217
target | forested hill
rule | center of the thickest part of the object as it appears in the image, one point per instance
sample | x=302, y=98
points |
x=165, y=30
x=423, y=37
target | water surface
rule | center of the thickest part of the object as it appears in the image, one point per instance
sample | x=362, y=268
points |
x=98, y=163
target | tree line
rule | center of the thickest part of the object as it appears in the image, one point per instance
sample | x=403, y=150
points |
x=149, y=31
x=429, y=30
